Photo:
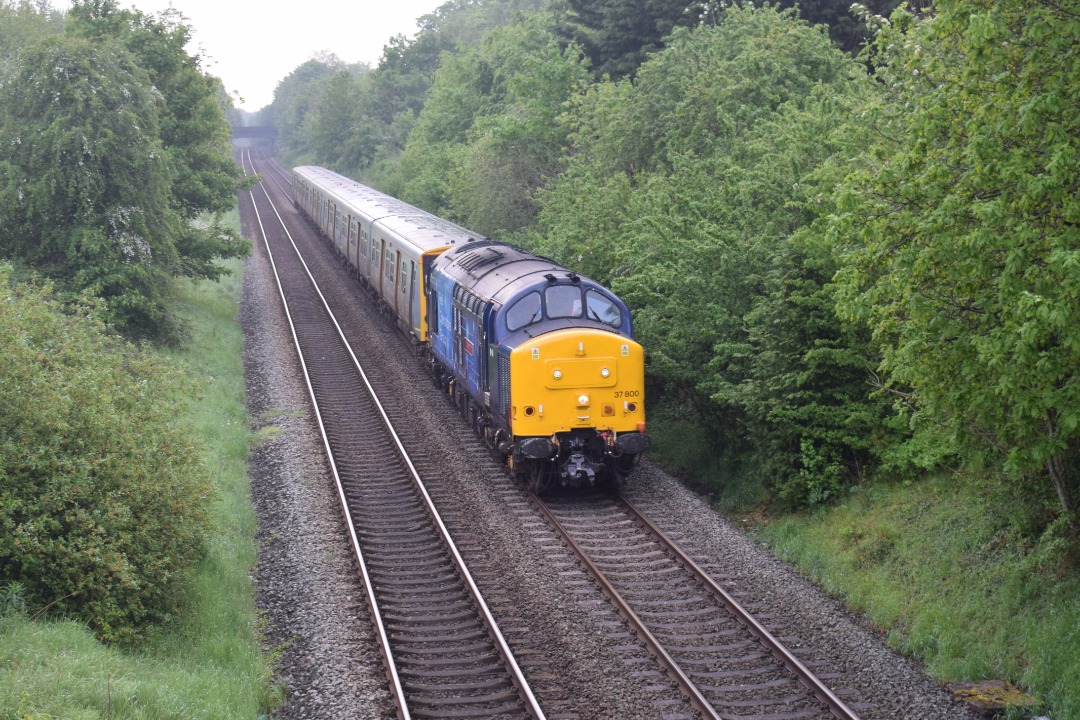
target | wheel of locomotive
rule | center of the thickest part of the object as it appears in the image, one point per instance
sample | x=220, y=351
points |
x=616, y=476
x=518, y=468
x=490, y=438
x=540, y=475
x=462, y=402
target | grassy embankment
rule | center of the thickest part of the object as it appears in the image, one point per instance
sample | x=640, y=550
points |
x=945, y=568
x=209, y=665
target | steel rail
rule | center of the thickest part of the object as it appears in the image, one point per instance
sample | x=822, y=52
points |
x=489, y=620
x=396, y=688
x=836, y=706
x=674, y=671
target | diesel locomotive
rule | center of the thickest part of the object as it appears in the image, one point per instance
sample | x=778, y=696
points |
x=540, y=360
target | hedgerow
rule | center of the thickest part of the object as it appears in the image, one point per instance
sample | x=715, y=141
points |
x=102, y=504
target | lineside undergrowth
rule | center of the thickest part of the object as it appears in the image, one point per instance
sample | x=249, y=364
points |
x=208, y=662
x=952, y=579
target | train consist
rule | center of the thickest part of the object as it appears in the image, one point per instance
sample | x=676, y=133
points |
x=540, y=360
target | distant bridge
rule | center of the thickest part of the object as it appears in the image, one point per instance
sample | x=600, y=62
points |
x=263, y=132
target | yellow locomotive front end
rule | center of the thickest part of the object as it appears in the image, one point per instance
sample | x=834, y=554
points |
x=577, y=410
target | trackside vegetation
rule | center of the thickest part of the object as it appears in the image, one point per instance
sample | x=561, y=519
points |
x=104, y=501
x=200, y=657
x=950, y=579
x=126, y=539
x=851, y=244
x=115, y=143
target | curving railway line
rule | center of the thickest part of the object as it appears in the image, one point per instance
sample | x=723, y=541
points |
x=443, y=651
x=440, y=644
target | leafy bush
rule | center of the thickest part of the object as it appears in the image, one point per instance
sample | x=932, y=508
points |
x=103, y=507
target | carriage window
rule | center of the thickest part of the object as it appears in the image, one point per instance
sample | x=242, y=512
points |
x=563, y=301
x=600, y=307
x=524, y=312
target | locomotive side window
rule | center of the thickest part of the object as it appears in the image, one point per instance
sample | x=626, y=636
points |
x=599, y=307
x=524, y=312
x=563, y=301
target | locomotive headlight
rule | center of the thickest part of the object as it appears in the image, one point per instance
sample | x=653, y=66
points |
x=583, y=400
x=557, y=374
x=604, y=372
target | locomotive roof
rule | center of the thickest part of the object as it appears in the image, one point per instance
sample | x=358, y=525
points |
x=408, y=222
x=499, y=272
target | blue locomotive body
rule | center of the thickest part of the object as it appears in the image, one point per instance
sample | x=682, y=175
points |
x=540, y=360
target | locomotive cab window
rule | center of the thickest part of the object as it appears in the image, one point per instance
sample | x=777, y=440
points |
x=600, y=307
x=524, y=312
x=563, y=301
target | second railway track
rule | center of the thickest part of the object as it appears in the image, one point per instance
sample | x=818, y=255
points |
x=725, y=660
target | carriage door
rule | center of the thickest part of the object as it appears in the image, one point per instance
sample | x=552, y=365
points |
x=379, y=270
x=414, y=298
x=403, y=289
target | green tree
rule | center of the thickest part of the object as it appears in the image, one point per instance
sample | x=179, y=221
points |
x=963, y=231
x=618, y=36
x=514, y=147
x=295, y=98
x=685, y=190
x=86, y=180
x=192, y=126
x=118, y=145
x=22, y=23
x=332, y=118
x=488, y=138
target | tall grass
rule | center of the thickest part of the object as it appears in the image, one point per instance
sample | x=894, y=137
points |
x=208, y=663
x=951, y=578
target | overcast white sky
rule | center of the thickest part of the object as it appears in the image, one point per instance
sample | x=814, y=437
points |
x=251, y=46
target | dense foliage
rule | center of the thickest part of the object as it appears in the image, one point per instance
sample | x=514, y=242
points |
x=23, y=23
x=385, y=100
x=814, y=253
x=487, y=138
x=962, y=232
x=85, y=190
x=103, y=499
x=683, y=189
x=118, y=143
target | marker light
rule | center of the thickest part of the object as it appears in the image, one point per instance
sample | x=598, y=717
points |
x=604, y=372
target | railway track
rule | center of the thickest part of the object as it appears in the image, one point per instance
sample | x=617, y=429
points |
x=443, y=652
x=726, y=663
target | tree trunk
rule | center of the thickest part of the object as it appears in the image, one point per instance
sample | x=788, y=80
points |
x=1060, y=477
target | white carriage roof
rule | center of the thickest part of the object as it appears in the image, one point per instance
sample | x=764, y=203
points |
x=410, y=223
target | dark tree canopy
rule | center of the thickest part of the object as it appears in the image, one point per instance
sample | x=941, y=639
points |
x=118, y=143
x=619, y=35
